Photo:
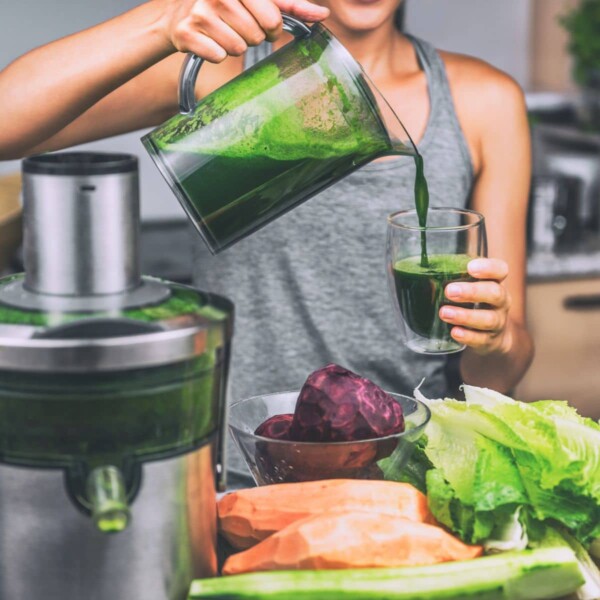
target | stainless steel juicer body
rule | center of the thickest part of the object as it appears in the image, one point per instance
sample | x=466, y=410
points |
x=112, y=400
x=50, y=550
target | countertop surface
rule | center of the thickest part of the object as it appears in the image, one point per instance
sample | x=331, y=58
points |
x=167, y=253
x=166, y=249
x=557, y=267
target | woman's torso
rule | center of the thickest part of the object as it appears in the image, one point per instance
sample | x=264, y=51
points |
x=311, y=287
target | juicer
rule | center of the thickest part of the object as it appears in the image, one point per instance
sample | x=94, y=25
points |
x=112, y=399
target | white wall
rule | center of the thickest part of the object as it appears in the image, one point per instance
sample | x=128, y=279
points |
x=495, y=30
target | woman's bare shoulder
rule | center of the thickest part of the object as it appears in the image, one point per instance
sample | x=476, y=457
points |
x=473, y=75
x=484, y=96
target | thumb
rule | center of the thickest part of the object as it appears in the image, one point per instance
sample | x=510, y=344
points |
x=303, y=10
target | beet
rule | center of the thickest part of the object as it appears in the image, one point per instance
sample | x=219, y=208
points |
x=276, y=428
x=336, y=405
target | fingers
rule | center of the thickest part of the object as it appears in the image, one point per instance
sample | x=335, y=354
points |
x=243, y=21
x=488, y=268
x=492, y=321
x=267, y=15
x=201, y=45
x=225, y=36
x=478, y=340
x=303, y=10
x=482, y=329
x=479, y=292
x=212, y=29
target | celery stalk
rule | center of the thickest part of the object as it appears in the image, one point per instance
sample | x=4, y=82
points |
x=528, y=575
x=590, y=590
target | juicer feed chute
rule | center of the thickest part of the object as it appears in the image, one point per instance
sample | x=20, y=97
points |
x=112, y=394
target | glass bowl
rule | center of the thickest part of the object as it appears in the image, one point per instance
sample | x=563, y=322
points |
x=284, y=461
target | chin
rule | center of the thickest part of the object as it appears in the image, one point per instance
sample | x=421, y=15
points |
x=361, y=16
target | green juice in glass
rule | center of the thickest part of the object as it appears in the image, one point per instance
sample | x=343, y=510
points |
x=420, y=291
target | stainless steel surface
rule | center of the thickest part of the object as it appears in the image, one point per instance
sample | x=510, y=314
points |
x=49, y=550
x=586, y=167
x=192, y=63
x=108, y=354
x=571, y=151
x=542, y=212
x=554, y=213
x=148, y=292
x=81, y=256
x=81, y=233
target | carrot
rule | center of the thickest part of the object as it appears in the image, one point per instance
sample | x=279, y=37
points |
x=350, y=539
x=249, y=516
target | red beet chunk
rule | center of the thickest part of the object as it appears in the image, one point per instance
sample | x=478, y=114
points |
x=336, y=405
x=276, y=428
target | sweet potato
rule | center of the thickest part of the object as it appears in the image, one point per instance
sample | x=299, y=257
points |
x=351, y=539
x=249, y=516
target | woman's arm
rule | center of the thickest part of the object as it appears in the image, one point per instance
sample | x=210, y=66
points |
x=120, y=75
x=500, y=348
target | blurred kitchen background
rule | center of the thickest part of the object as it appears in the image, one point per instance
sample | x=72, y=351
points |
x=560, y=71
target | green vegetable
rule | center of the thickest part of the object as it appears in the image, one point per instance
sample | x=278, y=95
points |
x=496, y=469
x=590, y=590
x=528, y=575
x=582, y=23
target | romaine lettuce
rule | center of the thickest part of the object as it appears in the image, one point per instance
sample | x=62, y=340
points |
x=495, y=469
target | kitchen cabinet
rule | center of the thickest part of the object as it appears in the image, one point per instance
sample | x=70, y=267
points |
x=564, y=319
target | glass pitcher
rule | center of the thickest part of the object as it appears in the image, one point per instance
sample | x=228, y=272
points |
x=282, y=131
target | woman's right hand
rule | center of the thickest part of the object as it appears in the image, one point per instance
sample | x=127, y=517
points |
x=214, y=29
x=127, y=77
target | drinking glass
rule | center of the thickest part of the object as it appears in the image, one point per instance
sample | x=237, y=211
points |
x=421, y=261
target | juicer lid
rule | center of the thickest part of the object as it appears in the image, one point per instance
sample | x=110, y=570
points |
x=80, y=163
x=188, y=324
x=82, y=305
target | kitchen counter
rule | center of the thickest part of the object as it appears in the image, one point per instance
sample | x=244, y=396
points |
x=166, y=248
x=166, y=251
x=576, y=260
x=543, y=267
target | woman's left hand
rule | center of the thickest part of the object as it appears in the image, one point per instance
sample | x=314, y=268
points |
x=485, y=329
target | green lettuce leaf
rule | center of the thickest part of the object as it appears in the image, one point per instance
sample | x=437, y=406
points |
x=414, y=471
x=563, y=446
x=495, y=468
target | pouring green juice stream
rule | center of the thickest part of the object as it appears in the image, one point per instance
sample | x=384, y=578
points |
x=422, y=205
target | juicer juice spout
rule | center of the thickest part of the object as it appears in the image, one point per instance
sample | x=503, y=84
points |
x=107, y=496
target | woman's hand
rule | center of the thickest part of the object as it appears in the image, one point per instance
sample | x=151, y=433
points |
x=484, y=329
x=214, y=29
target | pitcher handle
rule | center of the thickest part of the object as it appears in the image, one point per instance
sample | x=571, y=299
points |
x=192, y=64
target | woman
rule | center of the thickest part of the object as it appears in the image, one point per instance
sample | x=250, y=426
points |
x=310, y=288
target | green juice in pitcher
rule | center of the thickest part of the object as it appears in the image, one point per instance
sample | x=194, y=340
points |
x=238, y=195
x=274, y=136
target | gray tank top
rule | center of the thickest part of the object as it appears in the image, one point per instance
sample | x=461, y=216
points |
x=311, y=287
